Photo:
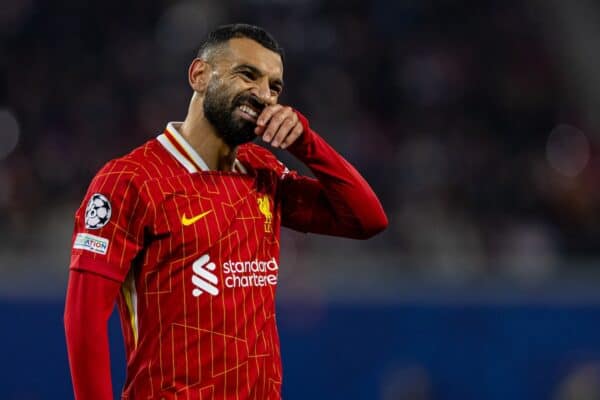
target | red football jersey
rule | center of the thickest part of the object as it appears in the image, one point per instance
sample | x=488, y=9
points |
x=198, y=254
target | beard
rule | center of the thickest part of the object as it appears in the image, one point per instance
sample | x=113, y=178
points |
x=219, y=107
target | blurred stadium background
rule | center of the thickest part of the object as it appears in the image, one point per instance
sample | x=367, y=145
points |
x=476, y=122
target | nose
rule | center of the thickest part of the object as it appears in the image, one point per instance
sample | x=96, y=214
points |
x=262, y=90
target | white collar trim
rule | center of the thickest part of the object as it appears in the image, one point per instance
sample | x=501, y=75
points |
x=172, y=128
x=166, y=143
x=190, y=152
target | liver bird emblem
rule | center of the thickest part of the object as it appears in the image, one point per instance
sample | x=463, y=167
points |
x=264, y=206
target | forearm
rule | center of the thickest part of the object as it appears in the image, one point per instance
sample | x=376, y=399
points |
x=343, y=203
x=89, y=302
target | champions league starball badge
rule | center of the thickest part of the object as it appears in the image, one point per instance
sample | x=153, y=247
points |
x=98, y=211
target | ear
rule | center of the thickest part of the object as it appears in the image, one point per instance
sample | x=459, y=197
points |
x=198, y=75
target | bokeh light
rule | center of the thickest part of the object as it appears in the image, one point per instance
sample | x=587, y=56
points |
x=9, y=133
x=567, y=150
x=183, y=26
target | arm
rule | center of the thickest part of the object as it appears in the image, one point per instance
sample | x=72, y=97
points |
x=89, y=303
x=339, y=202
x=101, y=258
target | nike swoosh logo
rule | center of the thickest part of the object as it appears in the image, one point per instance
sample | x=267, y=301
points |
x=189, y=221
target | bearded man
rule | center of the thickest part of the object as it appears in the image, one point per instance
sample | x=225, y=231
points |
x=183, y=233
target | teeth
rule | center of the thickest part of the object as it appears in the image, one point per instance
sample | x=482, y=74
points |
x=248, y=111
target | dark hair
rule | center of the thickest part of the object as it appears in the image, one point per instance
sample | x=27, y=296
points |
x=224, y=33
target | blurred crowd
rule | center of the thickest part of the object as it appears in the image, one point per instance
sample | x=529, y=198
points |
x=457, y=113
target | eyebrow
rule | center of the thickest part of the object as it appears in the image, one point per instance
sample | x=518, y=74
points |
x=258, y=72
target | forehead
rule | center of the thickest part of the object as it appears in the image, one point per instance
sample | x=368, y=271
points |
x=247, y=51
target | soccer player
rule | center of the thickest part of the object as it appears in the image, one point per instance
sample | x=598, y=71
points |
x=183, y=232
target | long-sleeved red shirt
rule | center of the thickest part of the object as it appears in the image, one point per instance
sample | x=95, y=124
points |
x=192, y=257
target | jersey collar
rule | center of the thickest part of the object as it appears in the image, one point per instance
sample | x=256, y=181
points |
x=183, y=152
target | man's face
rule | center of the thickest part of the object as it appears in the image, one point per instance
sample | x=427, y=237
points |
x=246, y=78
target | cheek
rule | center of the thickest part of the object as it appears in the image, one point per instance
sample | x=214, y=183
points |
x=222, y=97
x=238, y=86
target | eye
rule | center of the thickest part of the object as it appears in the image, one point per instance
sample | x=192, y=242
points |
x=276, y=90
x=248, y=75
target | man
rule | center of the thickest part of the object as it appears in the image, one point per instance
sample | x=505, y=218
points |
x=184, y=233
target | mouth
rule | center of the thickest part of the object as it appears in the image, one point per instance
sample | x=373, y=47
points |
x=249, y=112
x=249, y=107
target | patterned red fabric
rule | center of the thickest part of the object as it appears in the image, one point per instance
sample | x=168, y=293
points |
x=198, y=258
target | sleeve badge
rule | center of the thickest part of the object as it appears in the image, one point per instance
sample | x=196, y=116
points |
x=98, y=212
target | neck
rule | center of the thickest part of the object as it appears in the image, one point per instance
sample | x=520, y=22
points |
x=201, y=135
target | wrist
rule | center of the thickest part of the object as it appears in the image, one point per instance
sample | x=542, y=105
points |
x=300, y=146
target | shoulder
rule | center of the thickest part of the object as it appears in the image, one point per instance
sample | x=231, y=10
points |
x=258, y=158
x=126, y=176
x=137, y=166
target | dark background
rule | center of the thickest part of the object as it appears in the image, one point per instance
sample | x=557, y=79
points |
x=475, y=122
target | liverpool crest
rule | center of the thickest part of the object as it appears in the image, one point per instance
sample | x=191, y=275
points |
x=264, y=206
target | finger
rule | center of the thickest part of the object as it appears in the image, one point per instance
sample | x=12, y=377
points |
x=264, y=118
x=297, y=131
x=259, y=130
x=283, y=132
x=266, y=114
x=275, y=122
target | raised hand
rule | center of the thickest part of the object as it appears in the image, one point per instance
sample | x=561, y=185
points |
x=279, y=125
